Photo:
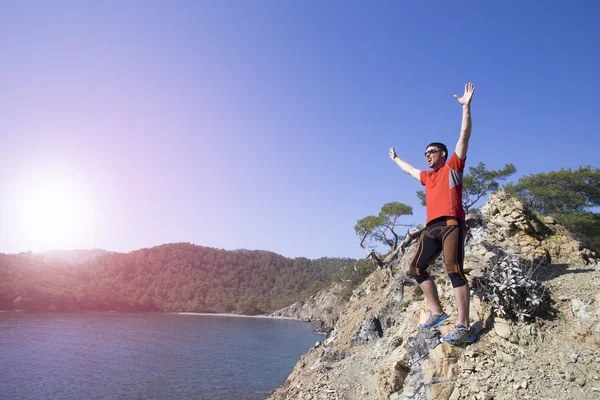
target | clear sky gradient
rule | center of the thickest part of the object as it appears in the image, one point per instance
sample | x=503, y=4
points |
x=267, y=124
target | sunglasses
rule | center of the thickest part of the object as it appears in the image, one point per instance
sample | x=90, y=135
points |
x=431, y=151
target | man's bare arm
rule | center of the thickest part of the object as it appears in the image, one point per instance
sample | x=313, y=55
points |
x=406, y=167
x=465, y=131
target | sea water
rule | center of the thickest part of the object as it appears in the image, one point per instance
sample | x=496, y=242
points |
x=147, y=356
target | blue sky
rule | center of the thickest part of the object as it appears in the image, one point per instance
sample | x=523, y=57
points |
x=266, y=124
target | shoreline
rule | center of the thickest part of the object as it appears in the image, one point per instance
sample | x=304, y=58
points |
x=236, y=315
x=157, y=312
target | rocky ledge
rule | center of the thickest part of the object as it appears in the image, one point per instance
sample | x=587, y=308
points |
x=376, y=351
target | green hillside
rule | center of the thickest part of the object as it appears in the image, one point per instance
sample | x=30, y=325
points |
x=170, y=277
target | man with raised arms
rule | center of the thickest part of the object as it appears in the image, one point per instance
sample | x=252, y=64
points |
x=445, y=230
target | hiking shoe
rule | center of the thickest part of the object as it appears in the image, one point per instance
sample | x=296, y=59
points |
x=458, y=335
x=472, y=338
x=434, y=320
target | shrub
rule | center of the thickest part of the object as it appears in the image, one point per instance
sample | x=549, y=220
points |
x=511, y=284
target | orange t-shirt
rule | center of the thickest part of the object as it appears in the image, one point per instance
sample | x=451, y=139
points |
x=443, y=190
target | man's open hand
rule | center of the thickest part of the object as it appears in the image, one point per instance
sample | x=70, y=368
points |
x=465, y=100
x=392, y=153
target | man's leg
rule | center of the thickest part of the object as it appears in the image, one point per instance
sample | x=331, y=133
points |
x=453, y=259
x=431, y=294
x=428, y=249
x=462, y=296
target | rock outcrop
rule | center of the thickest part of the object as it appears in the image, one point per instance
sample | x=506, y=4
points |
x=376, y=351
x=323, y=307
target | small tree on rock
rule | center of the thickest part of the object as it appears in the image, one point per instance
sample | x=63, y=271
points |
x=382, y=229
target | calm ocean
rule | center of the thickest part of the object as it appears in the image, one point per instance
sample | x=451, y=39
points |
x=146, y=356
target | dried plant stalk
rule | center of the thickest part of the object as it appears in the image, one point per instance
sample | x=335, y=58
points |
x=511, y=284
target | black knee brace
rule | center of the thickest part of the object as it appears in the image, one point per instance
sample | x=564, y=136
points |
x=420, y=274
x=422, y=278
x=457, y=279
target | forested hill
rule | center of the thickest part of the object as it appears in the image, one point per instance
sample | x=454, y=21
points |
x=170, y=277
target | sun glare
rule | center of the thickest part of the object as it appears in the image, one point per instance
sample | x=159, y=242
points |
x=54, y=212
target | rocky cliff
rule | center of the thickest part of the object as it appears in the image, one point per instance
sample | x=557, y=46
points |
x=324, y=307
x=376, y=350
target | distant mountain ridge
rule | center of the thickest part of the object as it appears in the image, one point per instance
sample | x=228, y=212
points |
x=73, y=256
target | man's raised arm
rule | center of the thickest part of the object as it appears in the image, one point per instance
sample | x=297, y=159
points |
x=465, y=131
x=406, y=167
